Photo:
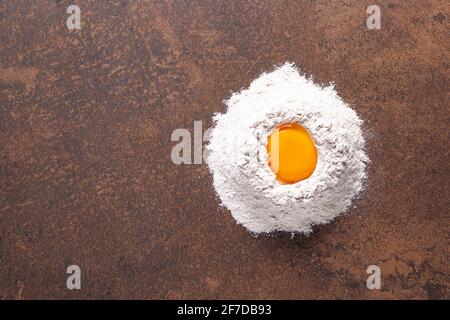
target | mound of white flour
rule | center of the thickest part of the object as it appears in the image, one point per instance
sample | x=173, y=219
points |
x=237, y=155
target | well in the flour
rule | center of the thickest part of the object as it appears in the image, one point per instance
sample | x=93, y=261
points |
x=291, y=153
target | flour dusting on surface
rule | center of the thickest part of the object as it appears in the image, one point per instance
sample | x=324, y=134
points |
x=237, y=156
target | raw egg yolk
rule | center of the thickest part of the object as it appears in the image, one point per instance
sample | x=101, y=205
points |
x=292, y=155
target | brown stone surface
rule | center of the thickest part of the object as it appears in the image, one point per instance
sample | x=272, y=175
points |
x=85, y=170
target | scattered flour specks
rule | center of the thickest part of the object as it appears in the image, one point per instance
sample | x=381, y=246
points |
x=237, y=155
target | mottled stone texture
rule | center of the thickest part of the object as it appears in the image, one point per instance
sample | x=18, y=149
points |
x=85, y=170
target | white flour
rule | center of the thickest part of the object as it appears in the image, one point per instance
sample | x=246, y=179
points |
x=238, y=159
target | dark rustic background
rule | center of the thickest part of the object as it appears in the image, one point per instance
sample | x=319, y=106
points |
x=85, y=170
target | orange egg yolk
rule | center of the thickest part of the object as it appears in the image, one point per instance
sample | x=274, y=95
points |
x=292, y=155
